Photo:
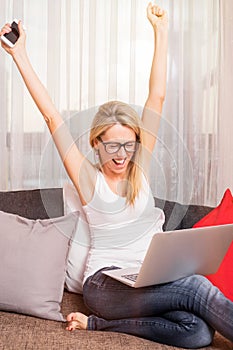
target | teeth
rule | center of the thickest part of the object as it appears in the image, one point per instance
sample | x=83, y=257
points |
x=117, y=161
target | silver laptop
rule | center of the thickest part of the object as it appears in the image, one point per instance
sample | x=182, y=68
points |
x=176, y=254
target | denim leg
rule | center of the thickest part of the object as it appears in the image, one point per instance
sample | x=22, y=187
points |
x=111, y=300
x=177, y=328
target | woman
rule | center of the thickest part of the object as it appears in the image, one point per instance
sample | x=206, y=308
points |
x=120, y=209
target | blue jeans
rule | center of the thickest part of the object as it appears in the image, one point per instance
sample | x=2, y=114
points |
x=183, y=313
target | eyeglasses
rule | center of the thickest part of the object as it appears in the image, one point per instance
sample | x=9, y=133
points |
x=114, y=147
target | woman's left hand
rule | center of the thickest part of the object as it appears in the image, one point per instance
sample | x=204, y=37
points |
x=157, y=17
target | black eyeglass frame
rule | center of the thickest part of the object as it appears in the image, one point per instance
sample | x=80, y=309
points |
x=105, y=144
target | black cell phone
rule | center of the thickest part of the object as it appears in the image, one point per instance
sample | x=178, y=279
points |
x=11, y=38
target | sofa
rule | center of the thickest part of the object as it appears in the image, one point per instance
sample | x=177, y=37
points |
x=19, y=331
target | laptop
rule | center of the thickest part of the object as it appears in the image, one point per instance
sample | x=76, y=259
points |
x=176, y=254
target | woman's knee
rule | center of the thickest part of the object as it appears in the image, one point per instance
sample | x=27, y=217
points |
x=204, y=334
x=199, y=333
x=191, y=332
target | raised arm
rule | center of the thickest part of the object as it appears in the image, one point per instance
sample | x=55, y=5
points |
x=73, y=159
x=157, y=83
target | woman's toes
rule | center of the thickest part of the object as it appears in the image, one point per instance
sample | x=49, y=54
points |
x=71, y=316
x=72, y=325
x=76, y=320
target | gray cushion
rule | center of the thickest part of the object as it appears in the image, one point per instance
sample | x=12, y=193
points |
x=33, y=263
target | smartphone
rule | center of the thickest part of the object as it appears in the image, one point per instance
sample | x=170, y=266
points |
x=11, y=38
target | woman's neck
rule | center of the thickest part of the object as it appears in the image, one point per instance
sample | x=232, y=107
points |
x=117, y=182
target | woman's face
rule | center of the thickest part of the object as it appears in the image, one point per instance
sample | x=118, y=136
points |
x=116, y=147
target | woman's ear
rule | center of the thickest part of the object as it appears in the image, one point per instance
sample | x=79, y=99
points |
x=96, y=148
x=95, y=144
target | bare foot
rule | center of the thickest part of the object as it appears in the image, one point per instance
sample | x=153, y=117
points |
x=76, y=320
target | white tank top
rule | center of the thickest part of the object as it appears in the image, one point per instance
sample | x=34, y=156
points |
x=120, y=233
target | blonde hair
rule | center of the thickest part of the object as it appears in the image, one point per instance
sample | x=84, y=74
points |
x=115, y=112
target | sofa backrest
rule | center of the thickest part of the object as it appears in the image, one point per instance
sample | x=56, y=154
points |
x=33, y=204
x=180, y=216
x=48, y=203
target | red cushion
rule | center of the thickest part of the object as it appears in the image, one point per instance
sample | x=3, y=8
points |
x=222, y=214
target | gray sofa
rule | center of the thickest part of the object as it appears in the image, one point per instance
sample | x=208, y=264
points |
x=19, y=331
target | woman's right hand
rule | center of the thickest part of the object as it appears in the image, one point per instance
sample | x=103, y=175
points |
x=20, y=43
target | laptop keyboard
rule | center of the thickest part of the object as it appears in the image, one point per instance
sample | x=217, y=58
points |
x=131, y=277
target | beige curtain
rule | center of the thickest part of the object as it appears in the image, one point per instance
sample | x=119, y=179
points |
x=225, y=117
x=88, y=52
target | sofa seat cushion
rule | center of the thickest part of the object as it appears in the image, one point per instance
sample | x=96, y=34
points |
x=21, y=332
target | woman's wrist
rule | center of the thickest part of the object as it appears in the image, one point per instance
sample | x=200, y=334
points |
x=161, y=33
x=19, y=56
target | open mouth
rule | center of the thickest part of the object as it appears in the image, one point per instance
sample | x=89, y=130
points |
x=119, y=162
